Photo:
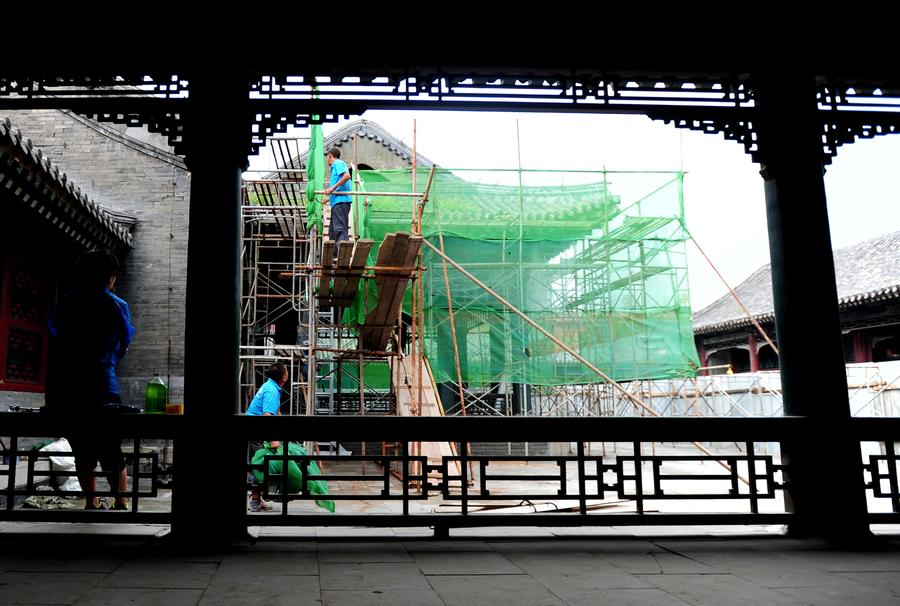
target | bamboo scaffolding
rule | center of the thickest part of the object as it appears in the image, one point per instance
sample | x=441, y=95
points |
x=634, y=400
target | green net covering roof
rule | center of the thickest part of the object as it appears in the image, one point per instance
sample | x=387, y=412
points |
x=597, y=259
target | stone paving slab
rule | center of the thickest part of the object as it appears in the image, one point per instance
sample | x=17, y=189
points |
x=608, y=578
x=378, y=597
x=764, y=568
x=548, y=566
x=105, y=596
x=371, y=575
x=447, y=546
x=889, y=581
x=45, y=587
x=363, y=552
x=839, y=595
x=510, y=569
x=275, y=545
x=268, y=563
x=473, y=563
x=577, y=596
x=161, y=573
x=848, y=561
x=716, y=589
x=264, y=590
x=36, y=563
x=653, y=562
x=492, y=589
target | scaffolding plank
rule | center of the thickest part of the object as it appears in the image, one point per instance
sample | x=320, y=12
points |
x=327, y=261
x=381, y=316
x=386, y=286
x=385, y=255
x=328, y=253
x=390, y=293
x=345, y=252
x=409, y=260
x=345, y=287
x=391, y=252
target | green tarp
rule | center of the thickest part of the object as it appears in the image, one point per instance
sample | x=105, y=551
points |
x=295, y=475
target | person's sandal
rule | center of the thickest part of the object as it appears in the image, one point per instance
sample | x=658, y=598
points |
x=260, y=505
x=101, y=505
x=117, y=506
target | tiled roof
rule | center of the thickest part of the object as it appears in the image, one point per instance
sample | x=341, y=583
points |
x=369, y=130
x=865, y=272
x=40, y=184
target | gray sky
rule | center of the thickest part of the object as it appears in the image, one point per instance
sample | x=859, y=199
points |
x=723, y=192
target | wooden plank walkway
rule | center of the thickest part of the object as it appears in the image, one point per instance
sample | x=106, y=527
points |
x=340, y=278
x=398, y=251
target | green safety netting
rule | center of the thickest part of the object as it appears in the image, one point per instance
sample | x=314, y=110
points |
x=597, y=259
x=315, y=174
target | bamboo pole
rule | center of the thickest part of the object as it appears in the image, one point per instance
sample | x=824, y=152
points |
x=637, y=402
x=415, y=228
x=736, y=297
x=356, y=174
x=462, y=397
x=377, y=193
x=418, y=285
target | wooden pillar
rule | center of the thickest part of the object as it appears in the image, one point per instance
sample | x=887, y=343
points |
x=824, y=461
x=209, y=501
x=701, y=354
x=754, y=352
x=862, y=347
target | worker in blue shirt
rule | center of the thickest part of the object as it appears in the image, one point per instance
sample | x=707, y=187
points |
x=266, y=403
x=339, y=228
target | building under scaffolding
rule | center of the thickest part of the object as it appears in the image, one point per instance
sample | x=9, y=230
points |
x=596, y=260
x=295, y=288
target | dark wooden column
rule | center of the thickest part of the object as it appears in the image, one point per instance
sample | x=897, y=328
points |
x=701, y=354
x=210, y=496
x=825, y=480
x=862, y=347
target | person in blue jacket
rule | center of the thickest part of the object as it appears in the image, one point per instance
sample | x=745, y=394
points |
x=90, y=331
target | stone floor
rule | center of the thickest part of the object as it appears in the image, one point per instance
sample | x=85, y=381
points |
x=47, y=563
x=65, y=565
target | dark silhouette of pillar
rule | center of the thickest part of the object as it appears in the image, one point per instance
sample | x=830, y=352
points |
x=207, y=462
x=825, y=480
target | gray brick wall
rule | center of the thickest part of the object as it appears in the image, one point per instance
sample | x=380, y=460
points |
x=128, y=173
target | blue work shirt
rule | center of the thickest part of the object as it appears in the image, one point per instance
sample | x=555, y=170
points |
x=90, y=332
x=338, y=168
x=266, y=400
